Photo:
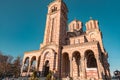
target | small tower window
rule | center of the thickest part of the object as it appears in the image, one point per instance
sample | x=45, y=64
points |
x=54, y=9
x=77, y=26
x=73, y=26
x=90, y=25
x=52, y=31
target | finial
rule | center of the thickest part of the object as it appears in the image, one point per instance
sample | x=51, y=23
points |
x=90, y=18
x=75, y=18
x=59, y=0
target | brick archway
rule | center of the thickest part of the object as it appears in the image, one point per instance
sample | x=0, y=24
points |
x=65, y=64
x=33, y=64
x=91, y=65
x=76, y=62
x=90, y=59
x=47, y=55
x=26, y=64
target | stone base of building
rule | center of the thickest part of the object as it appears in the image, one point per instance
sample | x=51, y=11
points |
x=77, y=78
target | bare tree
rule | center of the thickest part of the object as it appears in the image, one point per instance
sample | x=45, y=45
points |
x=5, y=64
x=8, y=66
x=17, y=66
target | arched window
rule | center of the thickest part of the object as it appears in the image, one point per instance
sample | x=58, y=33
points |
x=73, y=27
x=91, y=61
x=78, y=26
x=53, y=9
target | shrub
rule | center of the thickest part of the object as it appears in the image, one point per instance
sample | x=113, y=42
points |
x=34, y=76
x=49, y=76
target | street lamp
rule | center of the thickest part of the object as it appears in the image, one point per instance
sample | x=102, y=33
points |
x=117, y=74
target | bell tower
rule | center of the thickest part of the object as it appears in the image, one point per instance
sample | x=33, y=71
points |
x=56, y=23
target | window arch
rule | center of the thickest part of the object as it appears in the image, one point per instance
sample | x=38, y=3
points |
x=54, y=8
x=90, y=58
x=78, y=25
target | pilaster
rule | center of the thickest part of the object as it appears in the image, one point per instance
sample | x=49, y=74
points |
x=36, y=66
x=83, y=76
x=71, y=67
x=29, y=65
x=98, y=66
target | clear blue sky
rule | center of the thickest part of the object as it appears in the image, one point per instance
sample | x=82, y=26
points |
x=22, y=24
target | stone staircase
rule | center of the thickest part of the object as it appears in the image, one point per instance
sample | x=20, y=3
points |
x=71, y=79
x=26, y=78
x=42, y=78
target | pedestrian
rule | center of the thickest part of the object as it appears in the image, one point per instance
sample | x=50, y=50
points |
x=67, y=78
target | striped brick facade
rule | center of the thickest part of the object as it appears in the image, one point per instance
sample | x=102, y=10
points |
x=75, y=53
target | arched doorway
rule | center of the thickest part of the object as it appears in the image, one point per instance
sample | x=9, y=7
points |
x=47, y=62
x=46, y=68
x=65, y=65
x=76, y=64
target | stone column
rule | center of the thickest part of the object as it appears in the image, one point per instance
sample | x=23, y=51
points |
x=80, y=69
x=29, y=66
x=41, y=63
x=83, y=67
x=56, y=63
x=98, y=66
x=36, y=66
x=71, y=72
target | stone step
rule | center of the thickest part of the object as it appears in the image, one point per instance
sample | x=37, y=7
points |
x=42, y=78
x=26, y=78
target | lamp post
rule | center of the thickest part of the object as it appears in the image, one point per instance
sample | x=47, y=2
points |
x=117, y=74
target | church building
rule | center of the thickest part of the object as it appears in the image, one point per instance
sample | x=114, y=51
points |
x=67, y=50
